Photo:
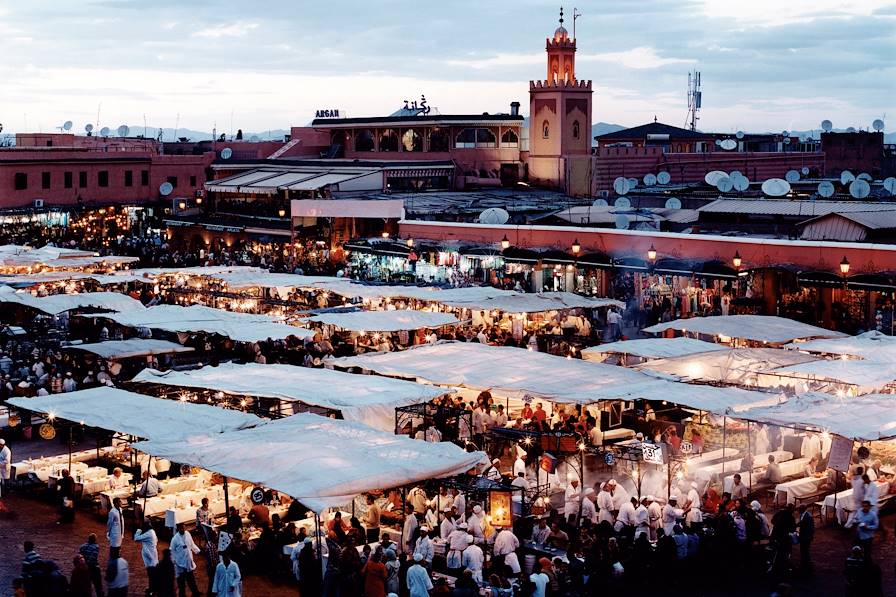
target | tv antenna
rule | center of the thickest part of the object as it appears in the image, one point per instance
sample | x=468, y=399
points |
x=695, y=100
x=575, y=15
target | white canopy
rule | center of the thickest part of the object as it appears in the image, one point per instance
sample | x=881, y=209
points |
x=138, y=415
x=653, y=348
x=319, y=461
x=350, y=289
x=741, y=366
x=534, y=303
x=242, y=327
x=515, y=373
x=863, y=418
x=758, y=328
x=264, y=279
x=18, y=256
x=866, y=375
x=870, y=345
x=367, y=399
x=134, y=347
x=59, y=303
x=385, y=321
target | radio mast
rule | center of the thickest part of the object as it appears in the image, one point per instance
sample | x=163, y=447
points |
x=695, y=100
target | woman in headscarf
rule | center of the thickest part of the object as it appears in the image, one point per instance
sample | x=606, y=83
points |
x=393, y=566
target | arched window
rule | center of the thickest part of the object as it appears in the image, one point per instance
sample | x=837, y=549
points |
x=411, y=141
x=575, y=129
x=545, y=130
x=388, y=140
x=438, y=140
x=509, y=139
x=486, y=138
x=465, y=139
x=364, y=141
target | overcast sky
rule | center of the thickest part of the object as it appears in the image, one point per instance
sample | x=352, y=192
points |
x=766, y=64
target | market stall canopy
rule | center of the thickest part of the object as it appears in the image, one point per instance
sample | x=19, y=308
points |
x=367, y=399
x=137, y=415
x=385, y=321
x=652, y=348
x=153, y=274
x=350, y=289
x=535, y=303
x=737, y=366
x=242, y=327
x=866, y=375
x=134, y=347
x=55, y=304
x=319, y=461
x=870, y=345
x=237, y=280
x=18, y=256
x=757, y=328
x=38, y=278
x=862, y=418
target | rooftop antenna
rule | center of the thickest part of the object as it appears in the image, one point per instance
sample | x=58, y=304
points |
x=575, y=15
x=144, y=126
x=176, y=125
x=100, y=105
x=695, y=100
x=878, y=124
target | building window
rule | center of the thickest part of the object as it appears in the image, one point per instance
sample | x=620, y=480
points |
x=144, y=178
x=388, y=140
x=67, y=179
x=411, y=141
x=128, y=178
x=21, y=181
x=364, y=141
x=575, y=129
x=45, y=180
x=173, y=181
x=509, y=138
x=470, y=138
x=438, y=140
x=193, y=181
x=102, y=178
x=82, y=180
x=545, y=130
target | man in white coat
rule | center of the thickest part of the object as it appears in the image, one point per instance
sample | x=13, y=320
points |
x=671, y=514
x=146, y=536
x=182, y=550
x=605, y=504
x=473, y=560
x=506, y=544
x=407, y=533
x=5, y=465
x=458, y=541
x=572, y=497
x=475, y=524
x=655, y=516
x=626, y=518
x=588, y=509
x=228, y=581
x=642, y=518
x=115, y=528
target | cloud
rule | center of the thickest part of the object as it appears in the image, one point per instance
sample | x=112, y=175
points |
x=640, y=58
x=237, y=29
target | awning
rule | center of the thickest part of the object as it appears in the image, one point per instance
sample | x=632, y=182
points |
x=367, y=399
x=322, y=180
x=653, y=348
x=758, y=328
x=378, y=248
x=347, y=208
x=59, y=303
x=319, y=461
x=134, y=347
x=385, y=321
x=518, y=255
x=135, y=414
x=421, y=172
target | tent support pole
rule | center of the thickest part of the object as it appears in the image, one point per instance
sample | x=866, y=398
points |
x=226, y=499
x=318, y=539
x=70, y=447
x=148, y=475
x=724, y=442
x=750, y=453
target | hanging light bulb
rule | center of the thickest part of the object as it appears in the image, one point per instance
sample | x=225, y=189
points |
x=576, y=247
x=737, y=260
x=505, y=242
x=651, y=253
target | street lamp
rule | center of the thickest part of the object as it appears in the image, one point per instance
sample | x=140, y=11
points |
x=737, y=260
x=385, y=235
x=505, y=242
x=651, y=253
x=844, y=266
x=281, y=212
x=410, y=243
x=576, y=247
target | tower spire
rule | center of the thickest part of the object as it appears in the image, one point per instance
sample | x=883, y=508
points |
x=561, y=16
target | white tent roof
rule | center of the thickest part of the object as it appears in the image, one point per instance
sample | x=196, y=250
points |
x=870, y=345
x=535, y=303
x=734, y=366
x=867, y=375
x=319, y=461
x=515, y=372
x=134, y=347
x=55, y=257
x=350, y=289
x=242, y=327
x=59, y=303
x=758, y=328
x=265, y=279
x=653, y=348
x=385, y=321
x=138, y=415
x=367, y=399
x=866, y=418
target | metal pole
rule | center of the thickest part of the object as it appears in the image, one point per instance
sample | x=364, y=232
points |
x=750, y=453
x=318, y=538
x=724, y=441
x=70, y=447
x=226, y=500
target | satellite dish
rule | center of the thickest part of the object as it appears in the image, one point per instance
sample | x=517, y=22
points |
x=734, y=174
x=850, y=129
x=253, y=138
x=600, y=203
x=649, y=180
x=826, y=188
x=804, y=170
x=890, y=185
x=713, y=177
x=663, y=177
x=725, y=184
x=728, y=144
x=786, y=141
x=864, y=176
x=622, y=222
x=846, y=177
x=739, y=134
x=88, y=128
x=622, y=203
x=104, y=132
x=785, y=133
x=632, y=183
x=859, y=189
x=741, y=183
x=878, y=124
x=226, y=153
x=792, y=176
x=124, y=130
x=67, y=126
x=827, y=126
x=673, y=203
x=165, y=188
x=494, y=215
x=776, y=187
x=718, y=141
x=620, y=185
